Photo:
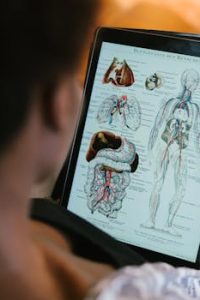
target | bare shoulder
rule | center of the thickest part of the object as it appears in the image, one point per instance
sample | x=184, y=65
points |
x=69, y=274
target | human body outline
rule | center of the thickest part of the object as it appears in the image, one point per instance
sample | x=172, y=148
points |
x=180, y=116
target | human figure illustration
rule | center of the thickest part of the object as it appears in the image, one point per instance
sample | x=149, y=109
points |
x=122, y=110
x=111, y=160
x=169, y=139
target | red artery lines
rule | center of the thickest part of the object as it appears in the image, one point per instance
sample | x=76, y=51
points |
x=107, y=185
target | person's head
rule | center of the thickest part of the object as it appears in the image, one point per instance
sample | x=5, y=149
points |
x=41, y=43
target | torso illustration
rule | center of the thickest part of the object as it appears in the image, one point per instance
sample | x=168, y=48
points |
x=178, y=127
x=111, y=160
x=122, y=111
x=119, y=73
x=169, y=139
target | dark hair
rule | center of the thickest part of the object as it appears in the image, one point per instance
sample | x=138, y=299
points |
x=39, y=40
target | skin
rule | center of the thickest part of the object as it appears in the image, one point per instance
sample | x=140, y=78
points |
x=35, y=259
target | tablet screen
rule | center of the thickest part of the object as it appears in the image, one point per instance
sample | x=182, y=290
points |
x=137, y=174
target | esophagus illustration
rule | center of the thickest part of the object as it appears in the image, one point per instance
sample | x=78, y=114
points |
x=119, y=73
x=168, y=142
x=111, y=160
x=122, y=110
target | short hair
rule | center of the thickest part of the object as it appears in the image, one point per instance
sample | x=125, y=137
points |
x=39, y=40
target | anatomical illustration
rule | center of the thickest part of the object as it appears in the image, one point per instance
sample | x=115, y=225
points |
x=170, y=137
x=119, y=73
x=121, y=111
x=153, y=81
x=111, y=160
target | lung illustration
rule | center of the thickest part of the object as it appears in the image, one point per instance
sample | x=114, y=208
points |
x=120, y=111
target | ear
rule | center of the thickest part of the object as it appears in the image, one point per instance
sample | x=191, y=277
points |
x=62, y=104
x=59, y=105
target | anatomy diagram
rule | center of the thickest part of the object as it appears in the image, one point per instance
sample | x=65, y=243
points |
x=111, y=160
x=154, y=81
x=169, y=139
x=119, y=73
x=120, y=110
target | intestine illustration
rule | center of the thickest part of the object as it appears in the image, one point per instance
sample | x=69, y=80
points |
x=111, y=160
x=121, y=111
x=153, y=81
x=119, y=73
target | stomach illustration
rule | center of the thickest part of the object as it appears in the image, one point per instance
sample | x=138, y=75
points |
x=111, y=161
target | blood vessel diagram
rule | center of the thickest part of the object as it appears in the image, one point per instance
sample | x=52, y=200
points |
x=120, y=110
x=119, y=73
x=111, y=160
x=169, y=139
x=154, y=81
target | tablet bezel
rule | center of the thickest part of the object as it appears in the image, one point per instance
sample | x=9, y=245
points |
x=145, y=39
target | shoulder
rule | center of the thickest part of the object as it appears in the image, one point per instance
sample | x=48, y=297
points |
x=69, y=274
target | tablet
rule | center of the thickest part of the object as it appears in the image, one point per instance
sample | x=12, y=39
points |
x=134, y=166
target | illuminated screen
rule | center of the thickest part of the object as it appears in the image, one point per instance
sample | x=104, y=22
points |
x=137, y=175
